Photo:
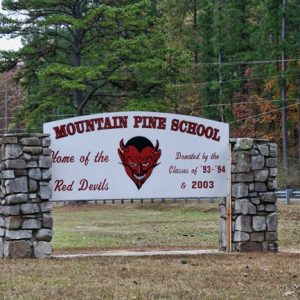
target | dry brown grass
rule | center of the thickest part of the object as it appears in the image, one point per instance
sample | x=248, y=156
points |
x=236, y=276
x=214, y=276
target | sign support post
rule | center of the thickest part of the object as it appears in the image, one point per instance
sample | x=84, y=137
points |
x=228, y=206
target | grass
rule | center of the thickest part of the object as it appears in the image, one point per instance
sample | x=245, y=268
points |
x=138, y=226
x=215, y=276
x=236, y=276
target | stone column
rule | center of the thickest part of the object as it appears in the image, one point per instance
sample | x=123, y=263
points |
x=254, y=184
x=25, y=210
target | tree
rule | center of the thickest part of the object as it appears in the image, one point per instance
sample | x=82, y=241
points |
x=82, y=55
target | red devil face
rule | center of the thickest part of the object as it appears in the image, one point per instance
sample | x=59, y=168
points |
x=139, y=157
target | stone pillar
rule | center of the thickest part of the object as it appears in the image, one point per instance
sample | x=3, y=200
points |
x=254, y=184
x=25, y=210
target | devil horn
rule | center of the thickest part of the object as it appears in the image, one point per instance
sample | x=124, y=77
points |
x=122, y=146
x=157, y=145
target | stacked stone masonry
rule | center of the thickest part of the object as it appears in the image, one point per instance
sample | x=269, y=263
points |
x=254, y=184
x=25, y=210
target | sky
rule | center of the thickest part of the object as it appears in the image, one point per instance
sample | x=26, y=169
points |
x=5, y=44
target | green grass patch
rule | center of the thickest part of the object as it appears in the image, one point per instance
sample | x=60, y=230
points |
x=135, y=226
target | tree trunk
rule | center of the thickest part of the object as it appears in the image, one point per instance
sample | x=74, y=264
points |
x=78, y=96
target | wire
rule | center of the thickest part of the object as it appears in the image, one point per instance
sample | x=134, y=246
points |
x=246, y=62
x=237, y=103
x=262, y=114
x=238, y=80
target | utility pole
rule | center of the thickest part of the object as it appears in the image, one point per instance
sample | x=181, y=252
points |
x=283, y=96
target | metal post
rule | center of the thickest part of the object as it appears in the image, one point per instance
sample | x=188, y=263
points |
x=228, y=206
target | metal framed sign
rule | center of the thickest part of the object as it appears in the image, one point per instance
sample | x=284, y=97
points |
x=138, y=155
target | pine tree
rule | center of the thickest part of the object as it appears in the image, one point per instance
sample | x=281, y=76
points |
x=82, y=55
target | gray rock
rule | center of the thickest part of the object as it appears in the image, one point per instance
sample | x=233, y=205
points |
x=272, y=222
x=17, y=185
x=271, y=208
x=12, y=151
x=45, y=162
x=269, y=197
x=1, y=221
x=244, y=177
x=33, y=150
x=30, y=208
x=257, y=162
x=32, y=164
x=32, y=195
x=222, y=233
x=45, y=192
x=46, y=174
x=222, y=209
x=250, y=246
x=31, y=141
x=35, y=174
x=255, y=200
x=241, y=161
x=254, y=152
x=272, y=184
x=253, y=194
x=8, y=174
x=243, y=144
x=27, y=156
x=257, y=236
x=269, y=246
x=245, y=207
x=17, y=249
x=260, y=207
x=33, y=186
x=1, y=248
x=273, y=172
x=233, y=176
x=18, y=234
x=13, y=222
x=16, y=198
x=44, y=235
x=243, y=223
x=9, y=140
x=260, y=187
x=251, y=187
x=21, y=172
x=31, y=224
x=10, y=210
x=42, y=249
x=271, y=236
x=15, y=164
x=240, y=236
x=47, y=151
x=273, y=149
x=2, y=232
x=46, y=206
x=46, y=142
x=261, y=175
x=264, y=150
x=259, y=223
x=271, y=162
x=239, y=190
x=48, y=220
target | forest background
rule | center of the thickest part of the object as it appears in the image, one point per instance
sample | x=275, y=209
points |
x=216, y=59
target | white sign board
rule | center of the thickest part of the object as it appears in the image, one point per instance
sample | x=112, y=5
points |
x=138, y=155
